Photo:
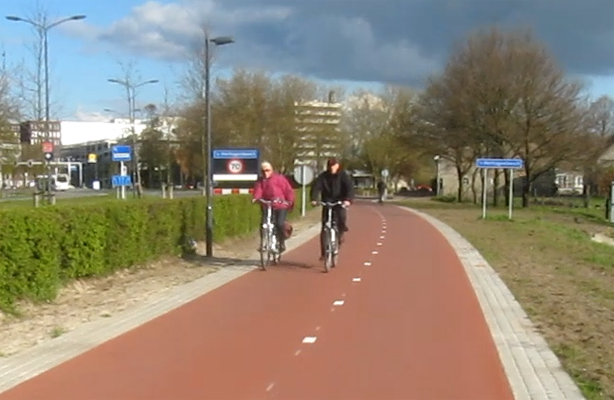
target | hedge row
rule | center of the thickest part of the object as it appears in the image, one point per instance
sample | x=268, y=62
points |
x=41, y=249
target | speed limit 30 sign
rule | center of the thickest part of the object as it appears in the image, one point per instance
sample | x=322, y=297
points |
x=235, y=166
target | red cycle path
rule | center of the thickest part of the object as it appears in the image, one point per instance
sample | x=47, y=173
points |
x=411, y=328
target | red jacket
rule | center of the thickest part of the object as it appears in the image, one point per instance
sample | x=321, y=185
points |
x=275, y=187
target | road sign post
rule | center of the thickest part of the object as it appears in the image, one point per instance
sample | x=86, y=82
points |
x=498, y=163
x=304, y=175
x=121, y=154
x=47, y=148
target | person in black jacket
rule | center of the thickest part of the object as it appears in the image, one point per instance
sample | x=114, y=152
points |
x=333, y=185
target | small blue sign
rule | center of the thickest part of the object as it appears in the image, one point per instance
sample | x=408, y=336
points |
x=121, y=153
x=121, y=180
x=243, y=154
x=503, y=163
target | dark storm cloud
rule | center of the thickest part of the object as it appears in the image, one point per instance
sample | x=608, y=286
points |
x=372, y=40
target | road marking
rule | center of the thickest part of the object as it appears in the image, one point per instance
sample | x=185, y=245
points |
x=343, y=295
x=382, y=237
x=338, y=303
x=309, y=339
x=379, y=243
x=356, y=280
x=317, y=328
x=268, y=389
x=296, y=353
x=374, y=252
x=367, y=264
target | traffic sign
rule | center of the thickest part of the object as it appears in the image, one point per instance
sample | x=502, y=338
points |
x=235, y=166
x=48, y=156
x=503, y=163
x=47, y=147
x=303, y=171
x=244, y=154
x=385, y=173
x=121, y=153
x=92, y=158
x=121, y=180
x=498, y=163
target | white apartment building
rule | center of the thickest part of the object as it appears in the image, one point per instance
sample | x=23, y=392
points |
x=318, y=124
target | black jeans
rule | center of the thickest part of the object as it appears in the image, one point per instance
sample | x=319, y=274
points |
x=340, y=218
x=278, y=217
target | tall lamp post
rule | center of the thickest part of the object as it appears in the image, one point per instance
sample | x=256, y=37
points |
x=44, y=28
x=131, y=94
x=218, y=41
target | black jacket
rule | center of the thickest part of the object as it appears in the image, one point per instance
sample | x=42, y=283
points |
x=333, y=187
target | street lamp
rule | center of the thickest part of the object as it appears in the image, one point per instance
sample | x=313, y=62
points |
x=436, y=159
x=44, y=28
x=218, y=41
x=131, y=94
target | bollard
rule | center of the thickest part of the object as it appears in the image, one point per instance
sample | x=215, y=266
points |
x=52, y=199
x=37, y=199
x=170, y=191
x=163, y=185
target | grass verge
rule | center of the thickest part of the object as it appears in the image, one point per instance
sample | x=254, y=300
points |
x=563, y=279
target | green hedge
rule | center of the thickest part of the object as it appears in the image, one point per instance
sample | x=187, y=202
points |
x=41, y=249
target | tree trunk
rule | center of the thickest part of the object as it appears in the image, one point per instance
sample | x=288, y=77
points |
x=495, y=187
x=473, y=191
x=526, y=188
x=459, y=174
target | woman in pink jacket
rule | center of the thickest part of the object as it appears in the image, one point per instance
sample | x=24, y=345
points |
x=274, y=186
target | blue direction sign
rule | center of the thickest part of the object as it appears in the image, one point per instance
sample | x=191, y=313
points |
x=121, y=180
x=503, y=163
x=242, y=154
x=121, y=153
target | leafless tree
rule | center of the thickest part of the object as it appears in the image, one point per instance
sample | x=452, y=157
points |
x=504, y=96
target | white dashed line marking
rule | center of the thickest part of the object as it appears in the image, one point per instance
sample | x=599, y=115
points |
x=338, y=303
x=317, y=328
x=343, y=295
x=374, y=252
x=356, y=280
x=382, y=237
x=379, y=243
x=296, y=353
x=268, y=389
x=367, y=264
x=309, y=339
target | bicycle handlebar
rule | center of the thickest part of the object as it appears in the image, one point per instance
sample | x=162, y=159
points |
x=263, y=201
x=327, y=204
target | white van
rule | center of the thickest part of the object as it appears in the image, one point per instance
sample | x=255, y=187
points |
x=58, y=183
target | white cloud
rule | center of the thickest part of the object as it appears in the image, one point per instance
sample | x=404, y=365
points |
x=372, y=40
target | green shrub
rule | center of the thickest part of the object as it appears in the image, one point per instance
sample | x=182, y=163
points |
x=41, y=249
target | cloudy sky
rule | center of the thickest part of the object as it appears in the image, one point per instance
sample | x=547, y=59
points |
x=357, y=43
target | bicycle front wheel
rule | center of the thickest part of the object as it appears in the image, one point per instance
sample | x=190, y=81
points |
x=328, y=252
x=264, y=250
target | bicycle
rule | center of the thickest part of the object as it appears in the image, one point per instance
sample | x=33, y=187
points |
x=269, y=243
x=331, y=249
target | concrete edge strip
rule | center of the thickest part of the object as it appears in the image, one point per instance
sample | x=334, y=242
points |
x=36, y=360
x=533, y=370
